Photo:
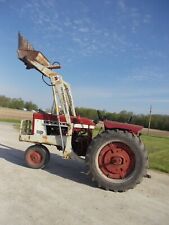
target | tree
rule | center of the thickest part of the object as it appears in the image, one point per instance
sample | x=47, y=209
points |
x=16, y=103
x=30, y=106
x=4, y=101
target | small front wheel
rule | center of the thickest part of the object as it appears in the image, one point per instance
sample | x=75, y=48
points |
x=47, y=154
x=37, y=156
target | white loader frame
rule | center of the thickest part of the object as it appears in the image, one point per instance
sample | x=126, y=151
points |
x=62, y=96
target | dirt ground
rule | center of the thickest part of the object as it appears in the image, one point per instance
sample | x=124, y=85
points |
x=63, y=194
x=153, y=132
x=6, y=113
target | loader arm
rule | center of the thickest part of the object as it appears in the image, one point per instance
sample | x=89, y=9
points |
x=62, y=96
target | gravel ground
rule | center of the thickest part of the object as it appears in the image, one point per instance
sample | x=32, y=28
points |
x=63, y=194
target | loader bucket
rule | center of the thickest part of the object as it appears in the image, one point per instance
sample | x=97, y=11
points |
x=27, y=53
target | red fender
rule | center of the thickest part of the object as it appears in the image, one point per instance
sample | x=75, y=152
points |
x=109, y=125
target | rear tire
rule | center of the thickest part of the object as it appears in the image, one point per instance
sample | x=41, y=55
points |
x=116, y=160
x=37, y=156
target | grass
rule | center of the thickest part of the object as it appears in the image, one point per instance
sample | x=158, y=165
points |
x=10, y=120
x=158, y=152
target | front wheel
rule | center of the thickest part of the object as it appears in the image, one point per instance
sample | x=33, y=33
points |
x=37, y=156
x=116, y=160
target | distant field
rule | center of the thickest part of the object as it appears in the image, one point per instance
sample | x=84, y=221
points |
x=13, y=115
x=158, y=133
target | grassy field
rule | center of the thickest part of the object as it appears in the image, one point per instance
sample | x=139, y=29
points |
x=158, y=151
x=10, y=120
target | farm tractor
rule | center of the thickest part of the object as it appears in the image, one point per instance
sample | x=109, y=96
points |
x=116, y=158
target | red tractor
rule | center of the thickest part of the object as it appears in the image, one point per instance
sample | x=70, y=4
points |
x=116, y=158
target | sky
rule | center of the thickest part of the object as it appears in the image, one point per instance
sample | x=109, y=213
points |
x=114, y=53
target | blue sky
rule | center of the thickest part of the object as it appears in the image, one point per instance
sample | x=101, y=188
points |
x=114, y=53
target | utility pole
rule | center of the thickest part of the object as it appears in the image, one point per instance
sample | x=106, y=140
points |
x=149, y=122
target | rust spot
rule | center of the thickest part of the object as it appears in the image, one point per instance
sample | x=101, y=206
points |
x=45, y=139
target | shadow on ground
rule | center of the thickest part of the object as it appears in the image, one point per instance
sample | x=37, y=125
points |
x=67, y=169
x=12, y=155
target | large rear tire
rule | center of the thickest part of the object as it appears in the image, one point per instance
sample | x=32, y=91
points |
x=116, y=160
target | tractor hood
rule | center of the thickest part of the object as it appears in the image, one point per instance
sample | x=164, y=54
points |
x=123, y=126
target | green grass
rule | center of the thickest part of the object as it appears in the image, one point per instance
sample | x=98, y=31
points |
x=10, y=120
x=158, y=152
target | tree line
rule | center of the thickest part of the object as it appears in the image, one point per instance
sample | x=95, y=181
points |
x=160, y=122
x=17, y=103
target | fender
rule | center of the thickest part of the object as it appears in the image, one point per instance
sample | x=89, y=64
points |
x=132, y=128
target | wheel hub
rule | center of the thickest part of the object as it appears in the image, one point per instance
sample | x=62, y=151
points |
x=116, y=160
x=35, y=157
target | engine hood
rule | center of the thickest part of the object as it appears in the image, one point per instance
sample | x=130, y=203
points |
x=123, y=126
